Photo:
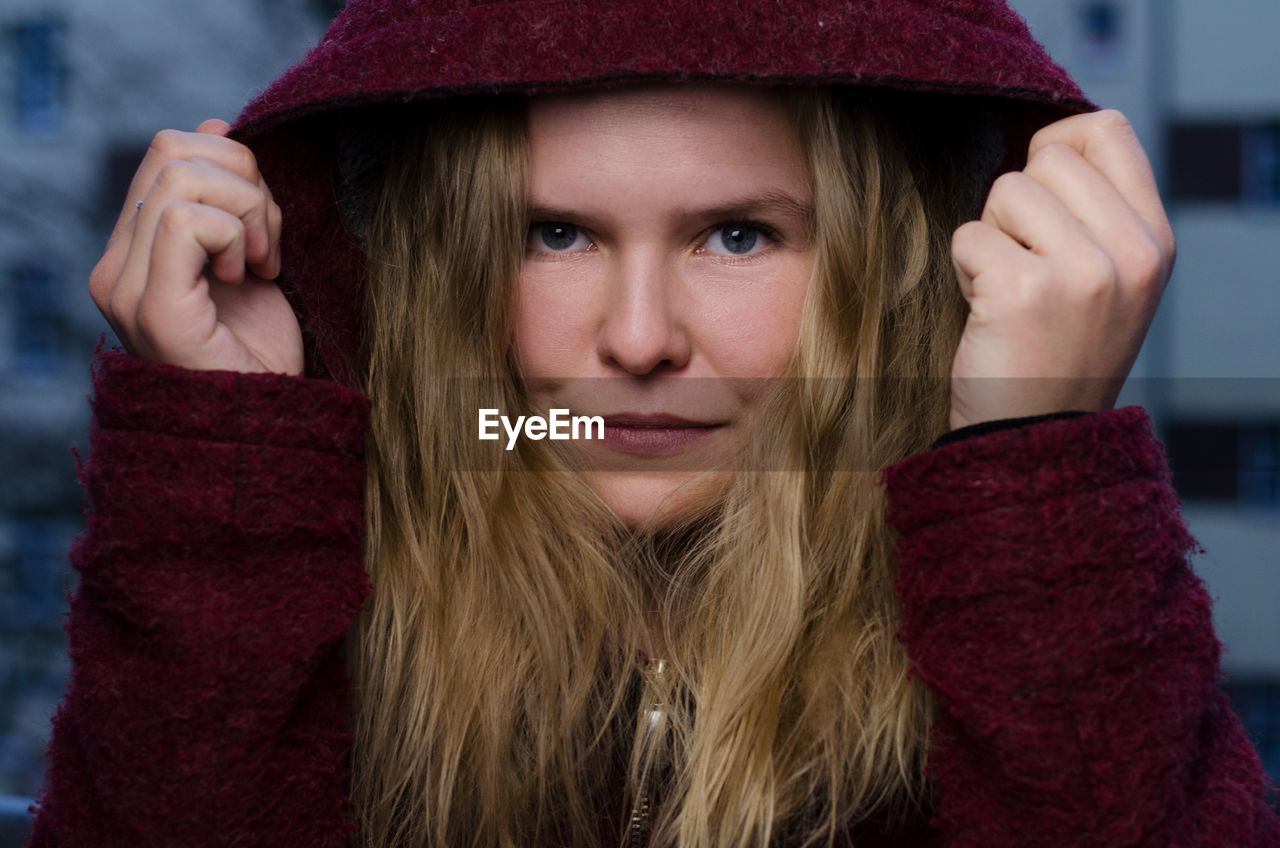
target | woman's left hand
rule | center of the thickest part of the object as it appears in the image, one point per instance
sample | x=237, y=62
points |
x=1063, y=274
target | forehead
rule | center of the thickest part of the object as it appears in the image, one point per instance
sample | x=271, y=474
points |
x=662, y=101
x=662, y=130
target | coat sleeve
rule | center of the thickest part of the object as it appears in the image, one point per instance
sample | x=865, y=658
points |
x=221, y=565
x=1049, y=605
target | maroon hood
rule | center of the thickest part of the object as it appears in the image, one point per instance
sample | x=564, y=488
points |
x=389, y=51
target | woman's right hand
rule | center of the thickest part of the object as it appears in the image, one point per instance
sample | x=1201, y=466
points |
x=186, y=277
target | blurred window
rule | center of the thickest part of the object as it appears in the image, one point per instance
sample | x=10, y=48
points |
x=34, y=578
x=40, y=70
x=1101, y=41
x=1226, y=161
x=1225, y=461
x=37, y=318
x=1260, y=165
x=1205, y=161
x=1257, y=702
x=1260, y=466
x=1101, y=22
x=37, y=563
x=326, y=9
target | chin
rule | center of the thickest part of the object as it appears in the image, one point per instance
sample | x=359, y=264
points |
x=659, y=500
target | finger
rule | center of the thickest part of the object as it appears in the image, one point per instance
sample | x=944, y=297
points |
x=171, y=145
x=963, y=277
x=1034, y=217
x=271, y=269
x=980, y=247
x=1108, y=142
x=214, y=126
x=197, y=235
x=261, y=218
x=1095, y=202
x=174, y=306
x=196, y=183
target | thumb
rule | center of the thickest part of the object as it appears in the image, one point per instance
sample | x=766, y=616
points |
x=214, y=126
x=965, y=281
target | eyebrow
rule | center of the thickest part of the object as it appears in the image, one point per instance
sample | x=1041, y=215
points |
x=776, y=202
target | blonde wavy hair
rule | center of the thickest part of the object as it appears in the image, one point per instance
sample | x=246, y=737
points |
x=500, y=694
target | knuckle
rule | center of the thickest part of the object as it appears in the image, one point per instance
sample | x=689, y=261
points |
x=174, y=175
x=116, y=307
x=1029, y=280
x=1166, y=242
x=204, y=162
x=1008, y=181
x=264, y=202
x=176, y=218
x=1112, y=118
x=101, y=281
x=231, y=225
x=1038, y=279
x=166, y=142
x=1144, y=262
x=1006, y=187
x=146, y=312
x=242, y=160
x=1110, y=123
x=1051, y=155
x=1098, y=274
x=1030, y=287
x=1142, y=257
x=1101, y=123
x=1047, y=135
x=965, y=234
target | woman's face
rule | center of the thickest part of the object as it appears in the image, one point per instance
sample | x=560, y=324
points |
x=665, y=272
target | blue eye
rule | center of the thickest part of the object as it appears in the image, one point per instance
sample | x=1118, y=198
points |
x=556, y=237
x=738, y=239
x=734, y=240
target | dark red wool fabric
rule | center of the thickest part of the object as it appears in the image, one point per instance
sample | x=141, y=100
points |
x=1043, y=574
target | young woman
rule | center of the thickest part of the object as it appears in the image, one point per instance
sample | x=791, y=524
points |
x=863, y=556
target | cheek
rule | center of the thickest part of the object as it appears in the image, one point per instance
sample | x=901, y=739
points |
x=549, y=324
x=754, y=333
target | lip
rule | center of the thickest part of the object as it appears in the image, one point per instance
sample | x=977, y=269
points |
x=655, y=434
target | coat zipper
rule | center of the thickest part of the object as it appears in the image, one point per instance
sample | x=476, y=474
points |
x=639, y=826
x=640, y=821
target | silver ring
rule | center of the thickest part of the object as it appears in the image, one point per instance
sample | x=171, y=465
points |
x=139, y=206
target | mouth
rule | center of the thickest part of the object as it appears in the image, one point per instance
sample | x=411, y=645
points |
x=656, y=434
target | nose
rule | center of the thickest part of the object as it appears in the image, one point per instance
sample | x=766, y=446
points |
x=644, y=331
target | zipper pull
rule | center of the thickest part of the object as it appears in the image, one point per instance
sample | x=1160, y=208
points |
x=650, y=735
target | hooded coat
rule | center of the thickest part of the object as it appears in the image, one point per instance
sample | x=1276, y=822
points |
x=1046, y=594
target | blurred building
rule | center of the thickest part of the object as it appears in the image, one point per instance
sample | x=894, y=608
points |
x=84, y=85
x=1201, y=84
